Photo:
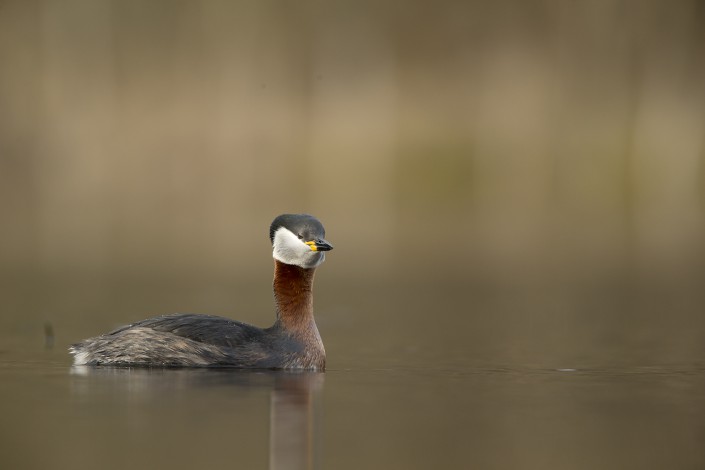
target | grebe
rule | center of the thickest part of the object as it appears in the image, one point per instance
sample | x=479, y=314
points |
x=191, y=340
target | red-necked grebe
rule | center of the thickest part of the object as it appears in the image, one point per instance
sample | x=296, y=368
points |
x=192, y=340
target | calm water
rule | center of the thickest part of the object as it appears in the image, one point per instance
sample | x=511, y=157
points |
x=506, y=385
x=55, y=416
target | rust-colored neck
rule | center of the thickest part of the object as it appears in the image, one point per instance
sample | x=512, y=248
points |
x=294, y=300
x=294, y=297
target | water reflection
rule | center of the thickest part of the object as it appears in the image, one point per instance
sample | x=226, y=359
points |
x=294, y=421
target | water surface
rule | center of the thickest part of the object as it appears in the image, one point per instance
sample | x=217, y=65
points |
x=456, y=416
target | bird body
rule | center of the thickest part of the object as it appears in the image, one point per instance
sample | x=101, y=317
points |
x=195, y=340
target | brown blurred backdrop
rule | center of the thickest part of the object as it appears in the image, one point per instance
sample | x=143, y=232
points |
x=511, y=142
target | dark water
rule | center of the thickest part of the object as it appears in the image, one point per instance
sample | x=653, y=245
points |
x=522, y=381
x=55, y=416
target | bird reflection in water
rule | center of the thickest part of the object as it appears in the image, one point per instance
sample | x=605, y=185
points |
x=295, y=413
x=294, y=421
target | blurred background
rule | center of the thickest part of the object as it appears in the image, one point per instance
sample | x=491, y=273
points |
x=528, y=177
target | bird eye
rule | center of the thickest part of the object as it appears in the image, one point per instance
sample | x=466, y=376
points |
x=301, y=237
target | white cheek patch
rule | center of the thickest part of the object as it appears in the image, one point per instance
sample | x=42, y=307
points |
x=288, y=249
